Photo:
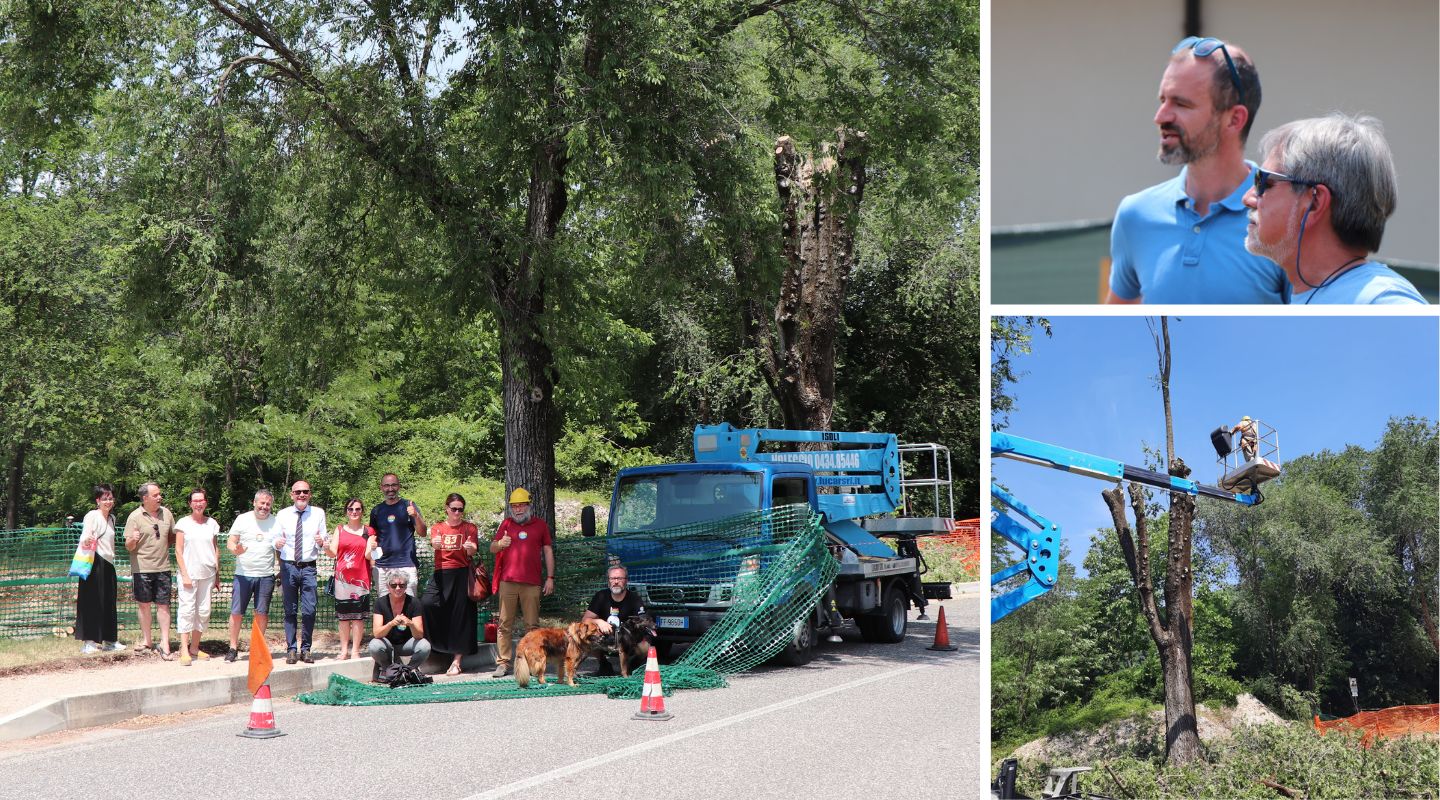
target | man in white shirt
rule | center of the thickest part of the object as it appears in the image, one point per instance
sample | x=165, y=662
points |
x=251, y=542
x=299, y=538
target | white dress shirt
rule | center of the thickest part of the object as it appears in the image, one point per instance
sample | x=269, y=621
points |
x=314, y=522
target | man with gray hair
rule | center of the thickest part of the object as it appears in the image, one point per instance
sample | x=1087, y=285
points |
x=251, y=541
x=149, y=533
x=1178, y=241
x=1322, y=225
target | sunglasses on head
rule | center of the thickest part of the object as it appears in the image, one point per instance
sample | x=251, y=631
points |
x=1265, y=180
x=1203, y=47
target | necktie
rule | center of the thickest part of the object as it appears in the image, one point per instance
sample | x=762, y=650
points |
x=299, y=530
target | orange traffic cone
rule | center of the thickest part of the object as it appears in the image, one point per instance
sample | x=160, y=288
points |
x=652, y=697
x=942, y=634
x=262, y=719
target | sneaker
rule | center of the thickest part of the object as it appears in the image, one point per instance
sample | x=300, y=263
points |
x=291, y=657
x=305, y=656
x=184, y=659
x=501, y=670
x=231, y=655
x=89, y=648
x=113, y=647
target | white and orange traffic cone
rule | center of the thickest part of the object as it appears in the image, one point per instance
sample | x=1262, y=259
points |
x=652, y=697
x=262, y=718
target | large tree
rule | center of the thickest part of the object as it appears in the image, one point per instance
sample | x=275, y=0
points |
x=1171, y=626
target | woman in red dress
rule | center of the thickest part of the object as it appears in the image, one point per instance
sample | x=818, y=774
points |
x=449, y=611
x=351, y=546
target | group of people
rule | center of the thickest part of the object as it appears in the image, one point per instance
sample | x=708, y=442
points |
x=1299, y=227
x=268, y=546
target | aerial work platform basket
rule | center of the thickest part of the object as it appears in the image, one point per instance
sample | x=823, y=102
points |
x=1240, y=470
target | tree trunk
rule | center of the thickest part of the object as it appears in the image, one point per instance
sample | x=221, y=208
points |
x=527, y=365
x=1173, y=633
x=13, y=476
x=820, y=205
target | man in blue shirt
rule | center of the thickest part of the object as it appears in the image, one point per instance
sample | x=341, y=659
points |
x=1176, y=242
x=1320, y=203
x=395, y=521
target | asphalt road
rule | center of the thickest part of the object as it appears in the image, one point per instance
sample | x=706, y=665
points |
x=862, y=720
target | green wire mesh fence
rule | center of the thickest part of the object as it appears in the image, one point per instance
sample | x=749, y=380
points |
x=37, y=594
x=761, y=572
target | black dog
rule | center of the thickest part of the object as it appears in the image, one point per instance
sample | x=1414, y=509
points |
x=631, y=641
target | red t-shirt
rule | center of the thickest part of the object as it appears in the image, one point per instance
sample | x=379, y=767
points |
x=523, y=560
x=450, y=553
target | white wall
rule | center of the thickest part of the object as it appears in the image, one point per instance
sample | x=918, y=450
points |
x=1073, y=88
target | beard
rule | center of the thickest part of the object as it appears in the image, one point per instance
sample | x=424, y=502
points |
x=520, y=519
x=1188, y=149
x=616, y=593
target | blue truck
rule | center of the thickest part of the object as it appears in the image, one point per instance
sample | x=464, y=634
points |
x=856, y=483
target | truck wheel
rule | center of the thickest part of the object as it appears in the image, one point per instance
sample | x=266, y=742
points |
x=802, y=644
x=888, y=625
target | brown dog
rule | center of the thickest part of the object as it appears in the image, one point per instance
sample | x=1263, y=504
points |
x=572, y=644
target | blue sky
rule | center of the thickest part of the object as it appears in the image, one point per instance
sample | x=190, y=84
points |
x=1321, y=382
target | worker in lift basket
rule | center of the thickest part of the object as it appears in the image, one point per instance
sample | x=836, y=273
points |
x=1249, y=436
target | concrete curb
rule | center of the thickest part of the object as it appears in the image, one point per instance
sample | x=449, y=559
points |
x=103, y=708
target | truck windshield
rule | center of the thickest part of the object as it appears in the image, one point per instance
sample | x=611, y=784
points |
x=648, y=502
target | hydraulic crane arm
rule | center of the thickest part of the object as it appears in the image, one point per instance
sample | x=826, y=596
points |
x=1042, y=548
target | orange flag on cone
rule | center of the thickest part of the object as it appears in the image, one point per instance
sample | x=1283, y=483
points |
x=260, y=662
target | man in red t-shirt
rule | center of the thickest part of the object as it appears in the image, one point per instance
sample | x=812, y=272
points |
x=520, y=543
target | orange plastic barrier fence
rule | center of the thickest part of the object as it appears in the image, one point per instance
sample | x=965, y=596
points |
x=964, y=533
x=1392, y=722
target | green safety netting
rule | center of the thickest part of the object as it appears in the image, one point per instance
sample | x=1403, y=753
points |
x=37, y=594
x=769, y=568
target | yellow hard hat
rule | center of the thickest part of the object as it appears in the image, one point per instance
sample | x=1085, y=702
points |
x=519, y=496
x=1244, y=419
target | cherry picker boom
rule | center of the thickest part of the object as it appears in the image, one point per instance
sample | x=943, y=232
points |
x=1042, y=547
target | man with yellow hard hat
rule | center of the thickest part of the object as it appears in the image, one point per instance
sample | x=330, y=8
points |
x=521, y=543
x=1249, y=436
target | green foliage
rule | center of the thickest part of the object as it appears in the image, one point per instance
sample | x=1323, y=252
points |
x=1294, y=756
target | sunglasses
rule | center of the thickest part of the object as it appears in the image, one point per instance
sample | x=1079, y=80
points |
x=355, y=508
x=299, y=491
x=397, y=586
x=1203, y=47
x=157, y=531
x=1264, y=180
x=455, y=508
x=389, y=486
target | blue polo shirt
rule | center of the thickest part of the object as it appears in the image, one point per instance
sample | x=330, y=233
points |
x=1371, y=283
x=395, y=532
x=1164, y=252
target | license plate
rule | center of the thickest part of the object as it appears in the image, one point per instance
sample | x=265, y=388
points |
x=673, y=622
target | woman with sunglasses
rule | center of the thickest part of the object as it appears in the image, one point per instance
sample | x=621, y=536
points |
x=398, y=624
x=449, y=611
x=351, y=546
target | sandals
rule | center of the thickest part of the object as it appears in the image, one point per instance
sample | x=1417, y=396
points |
x=454, y=670
x=165, y=655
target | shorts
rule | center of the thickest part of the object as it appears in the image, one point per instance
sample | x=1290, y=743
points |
x=245, y=588
x=152, y=587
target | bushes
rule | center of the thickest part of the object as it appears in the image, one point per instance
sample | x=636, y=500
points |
x=1331, y=766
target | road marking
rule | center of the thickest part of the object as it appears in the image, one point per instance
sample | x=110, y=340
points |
x=581, y=766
